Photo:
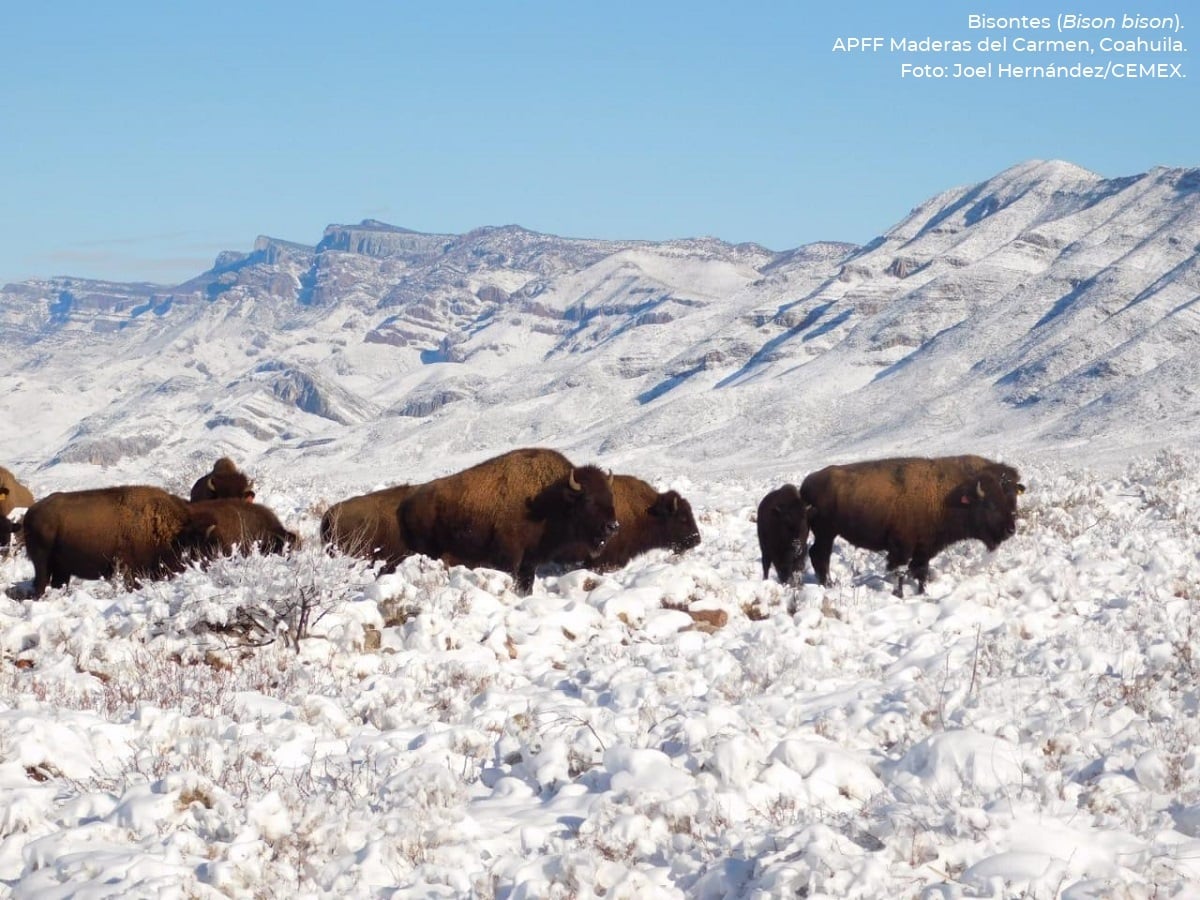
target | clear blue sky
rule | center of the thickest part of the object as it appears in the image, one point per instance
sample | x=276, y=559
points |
x=138, y=139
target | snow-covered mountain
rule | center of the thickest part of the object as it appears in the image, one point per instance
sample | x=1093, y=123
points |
x=680, y=727
x=1045, y=307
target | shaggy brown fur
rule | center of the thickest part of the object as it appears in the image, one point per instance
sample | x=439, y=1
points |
x=221, y=526
x=135, y=529
x=367, y=526
x=649, y=521
x=13, y=494
x=783, y=533
x=911, y=508
x=511, y=512
x=225, y=480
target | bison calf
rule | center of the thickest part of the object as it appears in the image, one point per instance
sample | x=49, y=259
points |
x=137, y=530
x=910, y=508
x=783, y=533
x=225, y=480
x=220, y=526
x=367, y=526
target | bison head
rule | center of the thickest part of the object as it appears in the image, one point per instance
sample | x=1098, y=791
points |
x=283, y=543
x=580, y=508
x=784, y=513
x=991, y=509
x=674, y=522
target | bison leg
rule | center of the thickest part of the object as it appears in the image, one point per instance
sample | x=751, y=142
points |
x=918, y=566
x=898, y=556
x=783, y=567
x=524, y=578
x=819, y=553
x=919, y=570
x=41, y=567
x=41, y=580
x=766, y=563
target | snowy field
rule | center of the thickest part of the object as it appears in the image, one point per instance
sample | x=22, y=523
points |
x=680, y=728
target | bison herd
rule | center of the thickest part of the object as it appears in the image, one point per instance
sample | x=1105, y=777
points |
x=137, y=531
x=518, y=511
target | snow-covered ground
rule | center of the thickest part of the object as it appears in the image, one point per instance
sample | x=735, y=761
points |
x=680, y=728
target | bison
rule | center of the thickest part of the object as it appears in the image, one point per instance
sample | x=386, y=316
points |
x=512, y=512
x=783, y=533
x=910, y=508
x=649, y=521
x=138, y=530
x=13, y=494
x=367, y=526
x=219, y=526
x=225, y=480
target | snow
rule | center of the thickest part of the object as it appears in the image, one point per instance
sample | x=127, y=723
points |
x=1026, y=729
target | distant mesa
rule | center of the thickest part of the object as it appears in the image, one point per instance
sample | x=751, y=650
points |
x=378, y=239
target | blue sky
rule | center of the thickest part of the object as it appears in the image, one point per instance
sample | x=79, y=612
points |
x=139, y=139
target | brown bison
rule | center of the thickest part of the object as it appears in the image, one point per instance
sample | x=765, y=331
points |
x=910, y=508
x=649, y=521
x=783, y=533
x=13, y=494
x=367, y=526
x=512, y=512
x=220, y=526
x=137, y=530
x=225, y=480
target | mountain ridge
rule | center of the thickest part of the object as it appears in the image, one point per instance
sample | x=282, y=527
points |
x=1043, y=306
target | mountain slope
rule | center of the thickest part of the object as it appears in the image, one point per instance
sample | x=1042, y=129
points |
x=1044, y=306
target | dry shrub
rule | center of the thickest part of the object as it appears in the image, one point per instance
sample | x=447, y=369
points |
x=708, y=620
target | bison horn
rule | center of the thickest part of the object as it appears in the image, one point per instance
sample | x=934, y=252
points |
x=1020, y=488
x=572, y=483
x=675, y=504
x=608, y=475
x=979, y=490
x=209, y=484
